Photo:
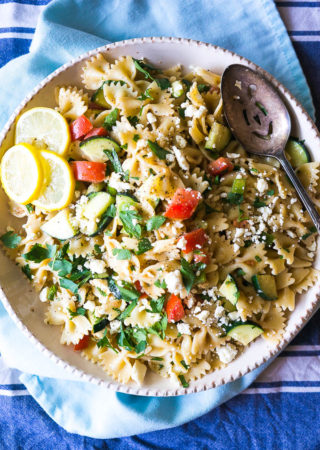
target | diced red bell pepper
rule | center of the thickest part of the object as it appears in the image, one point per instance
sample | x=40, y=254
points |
x=82, y=344
x=93, y=172
x=80, y=127
x=220, y=166
x=201, y=257
x=183, y=204
x=241, y=224
x=138, y=286
x=174, y=308
x=193, y=240
x=96, y=132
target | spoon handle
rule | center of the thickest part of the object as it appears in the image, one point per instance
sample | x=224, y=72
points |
x=304, y=197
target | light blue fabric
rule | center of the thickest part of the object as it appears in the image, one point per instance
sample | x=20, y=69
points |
x=66, y=29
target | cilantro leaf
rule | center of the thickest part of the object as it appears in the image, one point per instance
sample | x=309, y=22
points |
x=234, y=199
x=130, y=223
x=78, y=312
x=68, y=284
x=143, y=246
x=111, y=119
x=145, y=95
x=181, y=112
x=10, y=239
x=104, y=342
x=160, y=327
x=161, y=284
x=52, y=292
x=155, y=222
x=184, y=364
x=203, y=87
x=39, y=253
x=160, y=152
x=136, y=137
x=258, y=203
x=133, y=120
x=183, y=381
x=142, y=67
x=127, y=292
x=124, y=339
x=126, y=312
x=115, y=161
x=270, y=193
x=163, y=83
x=30, y=208
x=62, y=266
x=192, y=274
x=27, y=271
x=121, y=253
x=97, y=249
x=157, y=305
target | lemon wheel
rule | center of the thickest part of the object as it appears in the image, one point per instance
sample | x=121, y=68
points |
x=22, y=173
x=43, y=128
x=58, y=186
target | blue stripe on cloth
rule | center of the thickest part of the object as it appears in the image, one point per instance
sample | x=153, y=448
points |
x=12, y=48
x=288, y=353
x=12, y=387
x=267, y=384
x=16, y=30
x=26, y=2
x=304, y=33
x=298, y=4
x=244, y=422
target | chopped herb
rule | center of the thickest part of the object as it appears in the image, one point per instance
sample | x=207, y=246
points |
x=97, y=249
x=100, y=325
x=157, y=305
x=270, y=193
x=163, y=83
x=234, y=199
x=247, y=243
x=52, y=292
x=155, y=222
x=257, y=258
x=10, y=239
x=286, y=250
x=179, y=335
x=142, y=67
x=111, y=119
x=68, y=284
x=240, y=272
x=27, y=271
x=241, y=215
x=30, y=208
x=39, y=253
x=156, y=358
x=124, y=146
x=128, y=310
x=121, y=253
x=144, y=245
x=203, y=87
x=62, y=266
x=130, y=223
x=145, y=95
x=189, y=274
x=183, y=381
x=78, y=312
x=267, y=239
x=312, y=230
x=187, y=83
x=181, y=112
x=115, y=161
x=104, y=342
x=136, y=137
x=126, y=292
x=184, y=364
x=161, y=284
x=133, y=120
x=101, y=291
x=258, y=203
x=254, y=170
x=262, y=108
x=160, y=327
x=216, y=179
x=160, y=152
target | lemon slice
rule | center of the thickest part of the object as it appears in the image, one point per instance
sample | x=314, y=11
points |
x=44, y=128
x=58, y=186
x=22, y=173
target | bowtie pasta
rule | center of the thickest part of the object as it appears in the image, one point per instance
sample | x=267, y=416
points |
x=177, y=249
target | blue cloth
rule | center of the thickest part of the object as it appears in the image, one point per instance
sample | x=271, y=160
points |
x=66, y=29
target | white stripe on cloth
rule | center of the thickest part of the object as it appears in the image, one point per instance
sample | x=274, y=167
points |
x=19, y=15
x=287, y=389
x=5, y=393
x=16, y=35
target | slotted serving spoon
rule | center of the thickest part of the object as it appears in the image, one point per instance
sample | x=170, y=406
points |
x=260, y=121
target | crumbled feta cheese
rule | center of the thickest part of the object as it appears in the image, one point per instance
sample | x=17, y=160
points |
x=174, y=282
x=115, y=326
x=181, y=141
x=291, y=234
x=262, y=185
x=203, y=315
x=234, y=315
x=310, y=255
x=239, y=232
x=200, y=111
x=190, y=111
x=89, y=305
x=151, y=118
x=184, y=328
x=266, y=213
x=233, y=155
x=170, y=157
x=236, y=247
x=227, y=353
x=116, y=182
x=181, y=159
x=223, y=195
x=197, y=309
x=219, y=312
x=95, y=265
x=181, y=244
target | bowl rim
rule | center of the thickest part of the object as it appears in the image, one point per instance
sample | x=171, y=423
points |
x=80, y=374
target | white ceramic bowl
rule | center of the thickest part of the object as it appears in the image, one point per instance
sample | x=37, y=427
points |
x=22, y=302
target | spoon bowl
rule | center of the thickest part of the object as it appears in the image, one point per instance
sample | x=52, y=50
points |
x=260, y=121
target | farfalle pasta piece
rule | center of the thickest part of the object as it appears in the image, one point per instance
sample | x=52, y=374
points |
x=72, y=102
x=95, y=72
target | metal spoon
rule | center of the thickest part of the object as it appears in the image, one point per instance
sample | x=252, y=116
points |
x=260, y=121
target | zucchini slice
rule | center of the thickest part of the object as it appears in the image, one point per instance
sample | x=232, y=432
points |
x=94, y=219
x=228, y=306
x=98, y=97
x=125, y=200
x=92, y=148
x=60, y=226
x=219, y=137
x=244, y=332
x=265, y=285
x=177, y=89
x=296, y=152
x=229, y=290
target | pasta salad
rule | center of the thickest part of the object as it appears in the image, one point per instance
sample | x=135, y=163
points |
x=155, y=240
